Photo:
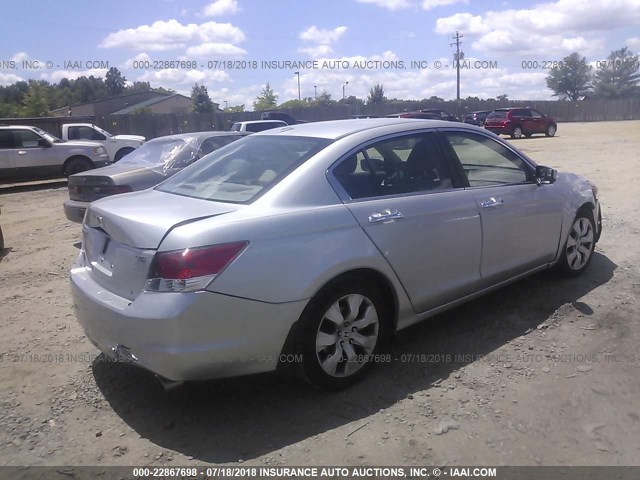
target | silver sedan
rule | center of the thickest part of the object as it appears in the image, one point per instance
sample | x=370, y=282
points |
x=311, y=244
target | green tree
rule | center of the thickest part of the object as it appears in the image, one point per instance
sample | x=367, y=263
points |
x=36, y=102
x=571, y=78
x=138, y=87
x=324, y=99
x=618, y=76
x=114, y=81
x=200, y=101
x=503, y=98
x=266, y=100
x=295, y=104
x=234, y=109
x=376, y=95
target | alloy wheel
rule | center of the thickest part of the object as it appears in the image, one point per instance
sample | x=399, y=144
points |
x=347, y=335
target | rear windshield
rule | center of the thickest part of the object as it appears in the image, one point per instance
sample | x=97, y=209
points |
x=498, y=114
x=241, y=171
x=163, y=153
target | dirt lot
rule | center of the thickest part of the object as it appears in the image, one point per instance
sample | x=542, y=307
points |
x=542, y=372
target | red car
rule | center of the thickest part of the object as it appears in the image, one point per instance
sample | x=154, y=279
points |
x=520, y=121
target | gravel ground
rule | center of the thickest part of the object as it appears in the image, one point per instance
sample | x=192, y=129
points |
x=543, y=372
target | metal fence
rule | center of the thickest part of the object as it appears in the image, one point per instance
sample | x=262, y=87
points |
x=156, y=125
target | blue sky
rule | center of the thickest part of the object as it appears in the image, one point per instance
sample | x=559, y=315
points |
x=396, y=31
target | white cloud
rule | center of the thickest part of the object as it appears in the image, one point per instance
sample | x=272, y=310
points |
x=317, y=51
x=174, y=77
x=322, y=36
x=9, y=78
x=57, y=75
x=172, y=35
x=555, y=28
x=209, y=48
x=20, y=56
x=221, y=7
x=390, y=4
x=429, y=4
x=141, y=57
x=633, y=43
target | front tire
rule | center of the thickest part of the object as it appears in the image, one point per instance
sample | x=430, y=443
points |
x=551, y=131
x=578, y=249
x=343, y=328
x=77, y=165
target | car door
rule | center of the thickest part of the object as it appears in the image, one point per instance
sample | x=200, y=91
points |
x=538, y=124
x=417, y=214
x=521, y=220
x=7, y=154
x=35, y=155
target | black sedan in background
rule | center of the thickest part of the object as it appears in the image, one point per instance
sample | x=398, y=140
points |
x=145, y=167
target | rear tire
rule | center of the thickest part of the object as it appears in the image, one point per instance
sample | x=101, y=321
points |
x=122, y=152
x=516, y=133
x=77, y=165
x=578, y=249
x=342, y=329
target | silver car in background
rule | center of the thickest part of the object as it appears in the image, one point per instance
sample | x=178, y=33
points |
x=320, y=240
x=145, y=167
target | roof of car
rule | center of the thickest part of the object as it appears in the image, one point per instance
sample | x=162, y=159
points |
x=275, y=120
x=200, y=135
x=2, y=125
x=335, y=129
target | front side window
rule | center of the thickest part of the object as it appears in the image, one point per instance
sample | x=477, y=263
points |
x=399, y=165
x=26, y=139
x=535, y=114
x=243, y=170
x=487, y=162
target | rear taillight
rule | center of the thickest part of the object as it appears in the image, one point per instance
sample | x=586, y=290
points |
x=191, y=269
x=112, y=189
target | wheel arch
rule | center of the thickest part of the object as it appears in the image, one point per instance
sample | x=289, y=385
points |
x=370, y=275
x=66, y=163
x=124, y=151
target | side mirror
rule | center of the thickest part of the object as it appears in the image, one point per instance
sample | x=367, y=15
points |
x=44, y=143
x=545, y=174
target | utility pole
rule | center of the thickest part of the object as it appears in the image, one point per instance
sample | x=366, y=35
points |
x=457, y=57
x=298, y=74
x=315, y=91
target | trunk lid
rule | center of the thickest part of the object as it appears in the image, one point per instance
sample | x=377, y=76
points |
x=86, y=186
x=121, y=234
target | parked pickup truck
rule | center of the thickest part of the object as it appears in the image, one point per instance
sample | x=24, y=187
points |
x=117, y=146
x=30, y=152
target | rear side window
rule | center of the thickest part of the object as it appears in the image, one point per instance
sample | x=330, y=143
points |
x=6, y=139
x=399, y=165
x=498, y=114
x=243, y=170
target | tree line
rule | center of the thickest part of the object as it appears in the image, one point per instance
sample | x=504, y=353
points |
x=616, y=77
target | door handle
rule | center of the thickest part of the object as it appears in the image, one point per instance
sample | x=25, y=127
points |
x=385, y=216
x=22, y=152
x=492, y=202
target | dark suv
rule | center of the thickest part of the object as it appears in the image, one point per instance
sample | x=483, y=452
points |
x=428, y=113
x=476, y=118
x=520, y=121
